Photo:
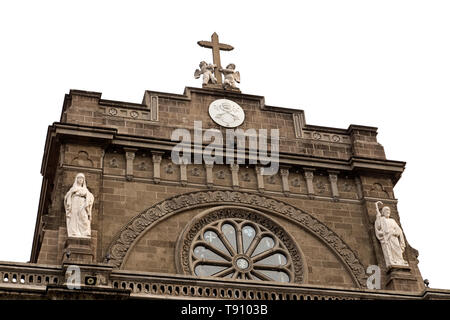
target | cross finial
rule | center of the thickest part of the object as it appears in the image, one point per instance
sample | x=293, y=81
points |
x=216, y=47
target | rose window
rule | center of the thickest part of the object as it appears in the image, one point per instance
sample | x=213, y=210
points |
x=240, y=249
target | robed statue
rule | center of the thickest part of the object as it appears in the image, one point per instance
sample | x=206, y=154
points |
x=78, y=205
x=390, y=236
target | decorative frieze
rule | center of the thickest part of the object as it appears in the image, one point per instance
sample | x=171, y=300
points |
x=326, y=136
x=134, y=114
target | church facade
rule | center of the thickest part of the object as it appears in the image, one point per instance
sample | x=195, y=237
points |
x=160, y=228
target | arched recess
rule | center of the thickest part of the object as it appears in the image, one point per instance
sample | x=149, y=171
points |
x=125, y=239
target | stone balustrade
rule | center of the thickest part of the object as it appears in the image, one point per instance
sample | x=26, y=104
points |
x=142, y=285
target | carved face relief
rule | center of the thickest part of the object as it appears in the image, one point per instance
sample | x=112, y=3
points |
x=80, y=180
x=386, y=211
x=226, y=113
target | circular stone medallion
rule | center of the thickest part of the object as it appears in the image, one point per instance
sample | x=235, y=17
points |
x=226, y=113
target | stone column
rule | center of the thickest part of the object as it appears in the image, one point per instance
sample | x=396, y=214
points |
x=130, y=154
x=284, y=172
x=333, y=177
x=309, y=176
x=157, y=157
x=209, y=175
x=259, y=178
x=234, y=175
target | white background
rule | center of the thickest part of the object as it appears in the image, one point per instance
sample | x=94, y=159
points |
x=378, y=63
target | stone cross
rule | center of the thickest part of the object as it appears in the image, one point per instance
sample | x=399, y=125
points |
x=216, y=47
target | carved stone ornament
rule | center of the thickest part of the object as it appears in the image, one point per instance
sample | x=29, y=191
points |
x=113, y=163
x=296, y=182
x=78, y=203
x=271, y=179
x=238, y=243
x=226, y=113
x=169, y=169
x=320, y=186
x=195, y=172
x=220, y=174
x=142, y=166
x=128, y=235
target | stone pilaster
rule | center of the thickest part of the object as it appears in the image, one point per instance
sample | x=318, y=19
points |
x=130, y=154
x=234, y=167
x=309, y=176
x=259, y=178
x=333, y=177
x=157, y=157
x=183, y=174
x=284, y=172
x=209, y=175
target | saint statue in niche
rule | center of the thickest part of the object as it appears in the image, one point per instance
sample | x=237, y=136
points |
x=78, y=204
x=390, y=236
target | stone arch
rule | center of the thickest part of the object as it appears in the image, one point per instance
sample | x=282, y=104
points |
x=130, y=234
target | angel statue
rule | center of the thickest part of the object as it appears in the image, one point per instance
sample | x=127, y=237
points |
x=207, y=70
x=231, y=76
x=78, y=203
x=390, y=236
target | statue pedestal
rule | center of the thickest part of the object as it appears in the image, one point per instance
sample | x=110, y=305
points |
x=78, y=250
x=400, y=278
x=220, y=87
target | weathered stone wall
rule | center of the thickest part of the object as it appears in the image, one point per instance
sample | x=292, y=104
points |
x=123, y=177
x=176, y=111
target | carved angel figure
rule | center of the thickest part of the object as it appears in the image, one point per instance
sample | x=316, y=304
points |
x=231, y=76
x=78, y=203
x=390, y=236
x=207, y=70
